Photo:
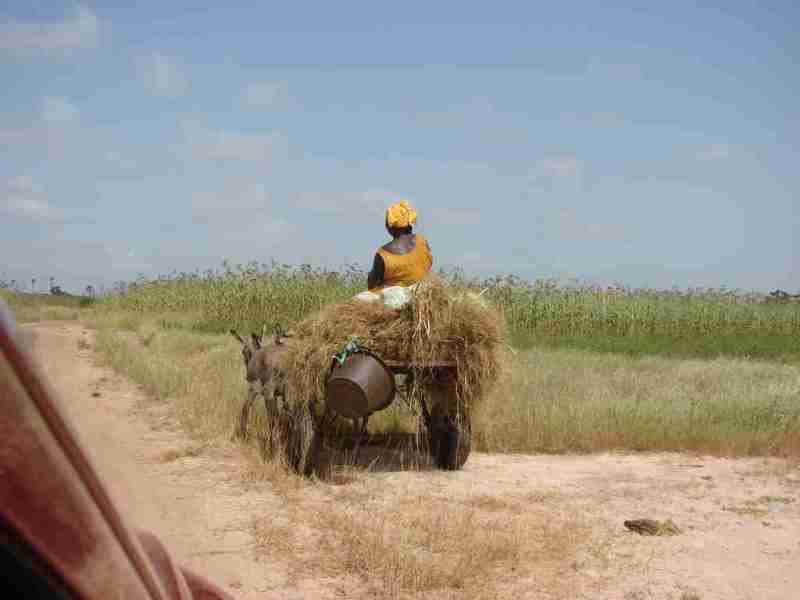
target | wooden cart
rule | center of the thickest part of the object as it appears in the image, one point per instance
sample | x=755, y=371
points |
x=430, y=390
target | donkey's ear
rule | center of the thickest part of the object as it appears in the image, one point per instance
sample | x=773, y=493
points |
x=237, y=336
x=256, y=340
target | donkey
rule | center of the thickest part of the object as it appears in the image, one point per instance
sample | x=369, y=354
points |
x=265, y=376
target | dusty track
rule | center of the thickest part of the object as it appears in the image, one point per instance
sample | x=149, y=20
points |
x=741, y=518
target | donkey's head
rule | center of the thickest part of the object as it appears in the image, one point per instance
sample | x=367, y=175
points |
x=249, y=347
x=282, y=334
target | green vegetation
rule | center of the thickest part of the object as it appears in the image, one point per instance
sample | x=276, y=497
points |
x=694, y=323
x=553, y=401
x=44, y=307
x=559, y=401
x=595, y=369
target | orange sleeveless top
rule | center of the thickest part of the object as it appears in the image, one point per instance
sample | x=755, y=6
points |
x=405, y=269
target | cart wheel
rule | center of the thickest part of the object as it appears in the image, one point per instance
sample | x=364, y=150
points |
x=464, y=427
x=448, y=434
x=448, y=440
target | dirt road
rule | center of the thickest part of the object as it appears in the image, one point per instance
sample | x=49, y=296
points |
x=740, y=519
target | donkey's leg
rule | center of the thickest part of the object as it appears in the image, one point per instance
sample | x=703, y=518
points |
x=270, y=393
x=252, y=392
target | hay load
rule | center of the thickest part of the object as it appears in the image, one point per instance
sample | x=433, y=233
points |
x=439, y=324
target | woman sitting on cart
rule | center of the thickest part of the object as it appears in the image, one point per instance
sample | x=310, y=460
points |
x=403, y=262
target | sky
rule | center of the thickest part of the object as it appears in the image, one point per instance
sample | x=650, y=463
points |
x=606, y=142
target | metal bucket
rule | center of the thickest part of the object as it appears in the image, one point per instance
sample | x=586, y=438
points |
x=359, y=387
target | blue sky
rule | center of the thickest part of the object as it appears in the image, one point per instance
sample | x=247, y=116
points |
x=601, y=141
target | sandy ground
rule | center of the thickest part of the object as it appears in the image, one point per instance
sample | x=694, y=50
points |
x=740, y=518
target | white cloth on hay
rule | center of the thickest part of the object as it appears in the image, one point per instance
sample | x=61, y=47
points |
x=396, y=296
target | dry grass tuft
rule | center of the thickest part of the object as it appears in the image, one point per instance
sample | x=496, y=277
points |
x=747, y=510
x=492, y=503
x=419, y=545
x=283, y=481
x=775, y=500
x=274, y=536
x=174, y=454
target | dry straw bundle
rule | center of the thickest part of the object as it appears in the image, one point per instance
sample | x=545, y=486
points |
x=440, y=323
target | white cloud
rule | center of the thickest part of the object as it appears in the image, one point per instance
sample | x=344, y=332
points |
x=52, y=131
x=606, y=118
x=371, y=203
x=58, y=111
x=24, y=198
x=207, y=144
x=241, y=146
x=571, y=226
x=265, y=231
x=615, y=70
x=455, y=216
x=72, y=262
x=236, y=202
x=263, y=94
x=242, y=214
x=327, y=203
x=471, y=258
x=375, y=201
x=19, y=136
x=120, y=162
x=714, y=152
x=161, y=75
x=555, y=171
x=125, y=259
x=560, y=166
x=81, y=30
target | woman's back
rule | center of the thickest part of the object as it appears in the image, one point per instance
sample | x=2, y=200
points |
x=405, y=261
x=402, y=245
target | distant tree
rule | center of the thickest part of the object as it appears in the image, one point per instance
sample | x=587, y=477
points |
x=33, y=285
x=782, y=296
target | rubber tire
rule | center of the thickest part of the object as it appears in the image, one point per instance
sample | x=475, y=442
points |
x=464, y=424
x=444, y=457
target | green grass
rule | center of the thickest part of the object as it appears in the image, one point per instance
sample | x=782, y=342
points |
x=200, y=374
x=597, y=369
x=775, y=347
x=560, y=400
x=688, y=324
x=705, y=370
x=554, y=400
x=44, y=307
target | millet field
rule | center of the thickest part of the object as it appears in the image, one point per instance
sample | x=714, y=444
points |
x=591, y=369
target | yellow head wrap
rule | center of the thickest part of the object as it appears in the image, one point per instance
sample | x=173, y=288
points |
x=400, y=215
